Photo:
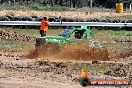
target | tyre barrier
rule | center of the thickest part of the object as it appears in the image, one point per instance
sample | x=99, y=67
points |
x=63, y=19
x=4, y=18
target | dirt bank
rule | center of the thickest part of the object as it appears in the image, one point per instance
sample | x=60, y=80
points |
x=70, y=14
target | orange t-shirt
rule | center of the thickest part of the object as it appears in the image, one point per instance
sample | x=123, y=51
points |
x=44, y=25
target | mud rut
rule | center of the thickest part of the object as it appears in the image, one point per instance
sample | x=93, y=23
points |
x=6, y=34
x=61, y=72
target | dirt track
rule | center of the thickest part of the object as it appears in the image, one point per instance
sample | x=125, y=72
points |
x=36, y=83
x=16, y=79
x=16, y=71
x=45, y=74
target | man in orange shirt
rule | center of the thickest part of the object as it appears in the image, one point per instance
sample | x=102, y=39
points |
x=44, y=27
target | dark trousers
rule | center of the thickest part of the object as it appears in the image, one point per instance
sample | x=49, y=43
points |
x=42, y=33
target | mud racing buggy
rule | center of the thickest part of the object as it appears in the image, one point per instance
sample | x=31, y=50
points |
x=74, y=35
x=67, y=36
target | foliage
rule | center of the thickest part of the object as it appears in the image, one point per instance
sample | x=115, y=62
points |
x=40, y=7
x=36, y=6
x=8, y=7
x=42, y=4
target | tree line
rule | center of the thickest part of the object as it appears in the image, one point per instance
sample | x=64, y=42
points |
x=68, y=3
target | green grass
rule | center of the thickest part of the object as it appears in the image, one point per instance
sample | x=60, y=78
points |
x=30, y=32
x=120, y=33
x=93, y=30
x=100, y=68
x=80, y=66
x=11, y=44
x=56, y=31
x=111, y=32
x=35, y=32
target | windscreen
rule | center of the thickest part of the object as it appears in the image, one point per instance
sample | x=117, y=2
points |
x=65, y=32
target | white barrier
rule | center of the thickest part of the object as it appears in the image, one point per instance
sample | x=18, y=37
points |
x=90, y=24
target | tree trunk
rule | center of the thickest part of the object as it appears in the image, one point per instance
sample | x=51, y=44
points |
x=55, y=2
x=61, y=2
x=52, y=2
x=14, y=2
x=71, y=5
x=74, y=3
x=91, y=3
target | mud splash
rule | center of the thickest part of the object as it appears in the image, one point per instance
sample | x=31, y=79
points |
x=70, y=51
x=44, y=50
x=83, y=52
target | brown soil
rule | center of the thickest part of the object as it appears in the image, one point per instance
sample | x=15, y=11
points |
x=46, y=74
x=70, y=14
